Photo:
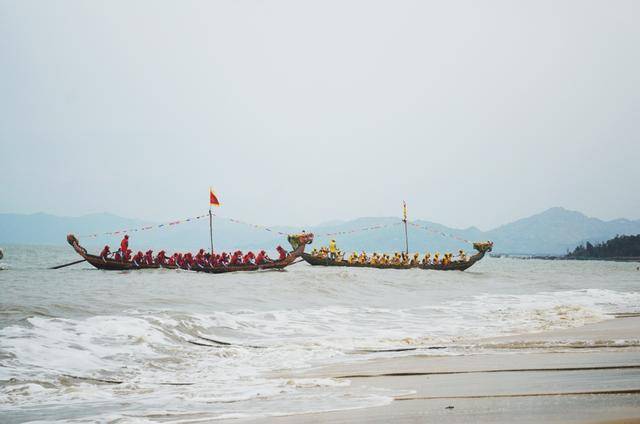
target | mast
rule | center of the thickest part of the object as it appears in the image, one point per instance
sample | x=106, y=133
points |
x=211, y=228
x=213, y=201
x=406, y=234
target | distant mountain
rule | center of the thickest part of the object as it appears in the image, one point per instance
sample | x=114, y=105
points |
x=48, y=229
x=551, y=232
x=555, y=231
x=42, y=228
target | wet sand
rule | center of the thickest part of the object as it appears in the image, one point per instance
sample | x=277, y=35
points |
x=582, y=375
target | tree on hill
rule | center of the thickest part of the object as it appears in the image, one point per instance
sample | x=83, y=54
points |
x=617, y=247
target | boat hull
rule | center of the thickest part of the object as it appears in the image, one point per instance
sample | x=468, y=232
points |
x=109, y=264
x=451, y=266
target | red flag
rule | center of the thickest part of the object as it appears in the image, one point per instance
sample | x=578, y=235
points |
x=213, y=200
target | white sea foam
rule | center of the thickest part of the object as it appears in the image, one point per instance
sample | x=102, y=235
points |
x=283, y=321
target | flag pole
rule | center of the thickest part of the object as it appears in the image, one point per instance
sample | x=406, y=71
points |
x=406, y=234
x=211, y=228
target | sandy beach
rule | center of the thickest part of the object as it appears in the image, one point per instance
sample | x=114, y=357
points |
x=582, y=375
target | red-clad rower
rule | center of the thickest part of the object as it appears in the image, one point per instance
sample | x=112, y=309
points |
x=224, y=258
x=282, y=252
x=105, y=252
x=236, y=258
x=148, y=257
x=137, y=259
x=248, y=258
x=188, y=260
x=161, y=258
x=127, y=255
x=261, y=257
x=199, y=259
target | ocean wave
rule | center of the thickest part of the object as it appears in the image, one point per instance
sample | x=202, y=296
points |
x=215, y=355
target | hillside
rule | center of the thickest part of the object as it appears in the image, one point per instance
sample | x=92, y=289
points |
x=554, y=231
x=619, y=247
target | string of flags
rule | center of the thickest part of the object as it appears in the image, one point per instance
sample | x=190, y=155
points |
x=270, y=229
x=358, y=230
x=261, y=227
x=146, y=228
x=214, y=201
x=235, y=221
x=442, y=233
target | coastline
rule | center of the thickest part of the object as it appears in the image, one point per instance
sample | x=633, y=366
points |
x=563, y=258
x=581, y=375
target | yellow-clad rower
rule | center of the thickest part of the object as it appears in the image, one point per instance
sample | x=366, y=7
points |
x=333, y=249
x=463, y=256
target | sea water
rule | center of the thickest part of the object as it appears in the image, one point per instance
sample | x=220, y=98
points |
x=80, y=344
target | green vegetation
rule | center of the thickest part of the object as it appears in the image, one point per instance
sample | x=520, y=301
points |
x=617, y=247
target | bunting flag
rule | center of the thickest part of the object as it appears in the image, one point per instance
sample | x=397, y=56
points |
x=147, y=227
x=213, y=199
x=359, y=230
x=237, y=221
x=441, y=233
x=404, y=210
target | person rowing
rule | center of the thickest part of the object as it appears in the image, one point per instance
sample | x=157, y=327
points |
x=189, y=261
x=236, y=258
x=199, y=259
x=363, y=259
x=161, y=258
x=248, y=259
x=105, y=253
x=282, y=253
x=462, y=255
x=261, y=257
x=353, y=257
x=148, y=257
x=137, y=259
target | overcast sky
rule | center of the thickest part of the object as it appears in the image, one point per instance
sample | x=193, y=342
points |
x=298, y=112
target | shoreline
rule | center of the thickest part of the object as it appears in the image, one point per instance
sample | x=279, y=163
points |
x=562, y=258
x=599, y=382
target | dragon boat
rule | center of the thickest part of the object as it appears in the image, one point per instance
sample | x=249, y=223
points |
x=298, y=243
x=482, y=248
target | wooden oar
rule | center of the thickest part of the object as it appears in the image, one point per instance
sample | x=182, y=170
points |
x=70, y=263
